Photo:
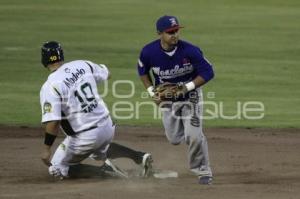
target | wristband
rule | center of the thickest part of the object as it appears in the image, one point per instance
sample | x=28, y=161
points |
x=190, y=86
x=49, y=139
x=150, y=91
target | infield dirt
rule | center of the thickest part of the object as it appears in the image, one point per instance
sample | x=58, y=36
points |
x=247, y=163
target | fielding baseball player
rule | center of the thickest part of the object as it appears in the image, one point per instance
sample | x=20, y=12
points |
x=175, y=61
x=70, y=100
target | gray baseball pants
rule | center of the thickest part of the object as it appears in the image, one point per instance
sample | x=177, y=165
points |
x=182, y=121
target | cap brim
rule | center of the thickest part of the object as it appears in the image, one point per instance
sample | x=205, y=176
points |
x=173, y=28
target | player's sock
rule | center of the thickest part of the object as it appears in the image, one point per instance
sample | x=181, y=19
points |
x=119, y=151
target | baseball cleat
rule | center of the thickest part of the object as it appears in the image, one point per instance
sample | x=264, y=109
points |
x=205, y=180
x=147, y=165
x=113, y=170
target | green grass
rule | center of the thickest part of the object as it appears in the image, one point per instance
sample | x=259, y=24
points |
x=254, y=46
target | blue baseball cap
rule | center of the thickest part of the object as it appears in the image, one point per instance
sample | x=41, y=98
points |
x=167, y=23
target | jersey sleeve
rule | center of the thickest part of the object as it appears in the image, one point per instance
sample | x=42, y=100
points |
x=99, y=71
x=50, y=103
x=202, y=65
x=143, y=65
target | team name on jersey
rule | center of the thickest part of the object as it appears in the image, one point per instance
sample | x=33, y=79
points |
x=173, y=73
x=70, y=81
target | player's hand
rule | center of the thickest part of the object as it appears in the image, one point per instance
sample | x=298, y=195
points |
x=46, y=154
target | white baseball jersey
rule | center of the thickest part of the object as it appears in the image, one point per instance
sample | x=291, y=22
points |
x=70, y=94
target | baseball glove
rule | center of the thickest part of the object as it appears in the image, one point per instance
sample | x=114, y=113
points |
x=169, y=91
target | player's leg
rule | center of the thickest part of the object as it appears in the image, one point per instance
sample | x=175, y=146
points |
x=114, y=150
x=173, y=123
x=76, y=148
x=142, y=158
x=195, y=138
x=64, y=157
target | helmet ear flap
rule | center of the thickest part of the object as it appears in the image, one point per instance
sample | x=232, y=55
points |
x=51, y=52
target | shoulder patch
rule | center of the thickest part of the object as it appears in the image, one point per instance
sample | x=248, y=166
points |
x=47, y=108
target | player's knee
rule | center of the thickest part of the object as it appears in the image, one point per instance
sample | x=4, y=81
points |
x=195, y=139
x=175, y=140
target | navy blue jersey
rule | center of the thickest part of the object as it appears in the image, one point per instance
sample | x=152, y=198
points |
x=183, y=66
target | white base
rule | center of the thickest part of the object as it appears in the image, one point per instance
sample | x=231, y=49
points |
x=162, y=174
